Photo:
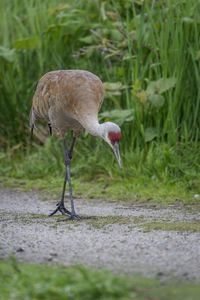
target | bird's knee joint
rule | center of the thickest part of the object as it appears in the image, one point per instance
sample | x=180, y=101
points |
x=67, y=161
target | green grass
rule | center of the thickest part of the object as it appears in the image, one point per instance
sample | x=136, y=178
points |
x=169, y=175
x=136, y=190
x=28, y=281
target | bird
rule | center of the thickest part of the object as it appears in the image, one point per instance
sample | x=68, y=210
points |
x=69, y=100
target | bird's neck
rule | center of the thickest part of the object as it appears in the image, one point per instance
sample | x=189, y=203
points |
x=94, y=128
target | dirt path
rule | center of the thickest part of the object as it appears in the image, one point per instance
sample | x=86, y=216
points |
x=110, y=235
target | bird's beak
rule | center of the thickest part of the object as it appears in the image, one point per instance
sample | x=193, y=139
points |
x=115, y=148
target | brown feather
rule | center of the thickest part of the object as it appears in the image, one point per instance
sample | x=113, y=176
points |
x=66, y=98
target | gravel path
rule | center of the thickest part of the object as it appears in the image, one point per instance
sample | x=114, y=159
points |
x=110, y=235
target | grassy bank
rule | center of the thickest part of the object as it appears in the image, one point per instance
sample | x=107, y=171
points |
x=26, y=281
x=169, y=175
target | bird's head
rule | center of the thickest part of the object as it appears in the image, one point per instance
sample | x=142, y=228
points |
x=111, y=133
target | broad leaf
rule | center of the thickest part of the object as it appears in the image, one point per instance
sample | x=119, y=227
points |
x=28, y=43
x=59, y=8
x=113, y=88
x=161, y=85
x=119, y=116
x=156, y=100
x=150, y=133
x=87, y=39
x=7, y=54
x=187, y=20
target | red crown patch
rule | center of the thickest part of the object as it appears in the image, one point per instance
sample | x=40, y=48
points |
x=114, y=136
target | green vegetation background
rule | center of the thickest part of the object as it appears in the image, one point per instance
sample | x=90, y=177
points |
x=148, y=55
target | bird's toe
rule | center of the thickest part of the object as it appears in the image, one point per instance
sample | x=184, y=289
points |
x=74, y=217
x=62, y=209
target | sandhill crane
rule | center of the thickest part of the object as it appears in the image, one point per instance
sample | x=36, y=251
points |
x=70, y=100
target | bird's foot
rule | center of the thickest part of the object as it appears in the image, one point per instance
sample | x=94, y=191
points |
x=62, y=209
x=74, y=216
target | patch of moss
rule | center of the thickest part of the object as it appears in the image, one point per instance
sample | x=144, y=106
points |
x=100, y=222
x=192, y=226
x=23, y=218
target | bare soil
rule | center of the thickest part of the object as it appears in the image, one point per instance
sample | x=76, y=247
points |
x=109, y=235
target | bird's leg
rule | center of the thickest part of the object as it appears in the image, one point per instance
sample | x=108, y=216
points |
x=60, y=206
x=68, y=157
x=32, y=128
x=50, y=128
x=72, y=148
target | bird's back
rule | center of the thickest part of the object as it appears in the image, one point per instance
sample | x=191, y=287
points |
x=67, y=99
